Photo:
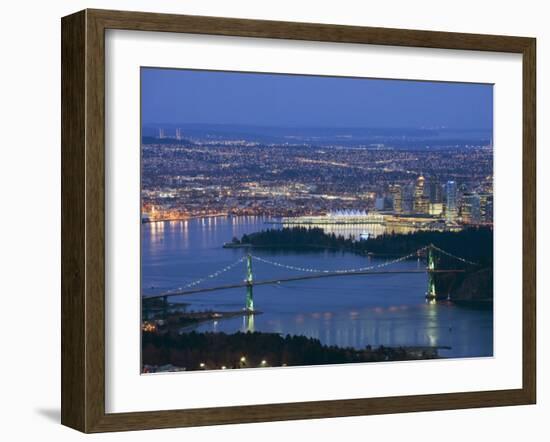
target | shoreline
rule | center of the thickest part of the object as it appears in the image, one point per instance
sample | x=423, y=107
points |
x=309, y=248
x=192, y=351
x=188, y=218
x=175, y=320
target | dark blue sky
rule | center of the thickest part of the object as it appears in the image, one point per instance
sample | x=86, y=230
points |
x=171, y=96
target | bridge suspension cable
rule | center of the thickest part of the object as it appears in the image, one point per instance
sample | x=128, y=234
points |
x=210, y=276
x=348, y=270
x=314, y=270
x=453, y=256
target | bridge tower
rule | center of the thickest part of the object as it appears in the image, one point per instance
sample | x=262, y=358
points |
x=249, y=307
x=431, y=294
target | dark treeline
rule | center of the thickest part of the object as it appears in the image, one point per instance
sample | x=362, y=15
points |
x=295, y=237
x=474, y=244
x=215, y=350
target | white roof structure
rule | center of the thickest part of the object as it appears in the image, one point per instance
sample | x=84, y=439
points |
x=348, y=213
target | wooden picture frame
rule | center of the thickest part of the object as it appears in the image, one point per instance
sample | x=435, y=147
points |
x=83, y=220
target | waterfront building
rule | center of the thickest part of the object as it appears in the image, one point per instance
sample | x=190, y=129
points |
x=470, y=208
x=346, y=216
x=451, y=208
x=435, y=209
x=486, y=208
x=382, y=203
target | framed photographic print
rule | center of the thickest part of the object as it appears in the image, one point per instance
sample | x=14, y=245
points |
x=269, y=220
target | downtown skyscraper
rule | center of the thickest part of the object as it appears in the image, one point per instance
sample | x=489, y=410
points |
x=451, y=209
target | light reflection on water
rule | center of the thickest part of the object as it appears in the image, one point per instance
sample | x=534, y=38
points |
x=345, y=311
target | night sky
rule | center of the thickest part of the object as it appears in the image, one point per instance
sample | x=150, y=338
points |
x=171, y=96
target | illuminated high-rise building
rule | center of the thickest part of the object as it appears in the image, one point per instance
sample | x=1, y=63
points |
x=486, y=208
x=178, y=134
x=435, y=209
x=397, y=197
x=408, y=198
x=421, y=202
x=382, y=203
x=434, y=191
x=161, y=133
x=451, y=209
x=470, y=208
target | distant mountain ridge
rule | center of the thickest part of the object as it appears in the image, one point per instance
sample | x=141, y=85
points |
x=319, y=136
x=150, y=128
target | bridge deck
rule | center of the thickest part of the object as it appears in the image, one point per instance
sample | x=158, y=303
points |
x=293, y=278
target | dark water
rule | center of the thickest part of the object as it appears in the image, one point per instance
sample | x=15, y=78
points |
x=345, y=311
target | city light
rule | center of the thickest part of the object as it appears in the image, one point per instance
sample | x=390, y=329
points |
x=449, y=183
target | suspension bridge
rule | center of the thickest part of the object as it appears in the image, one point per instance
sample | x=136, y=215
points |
x=314, y=273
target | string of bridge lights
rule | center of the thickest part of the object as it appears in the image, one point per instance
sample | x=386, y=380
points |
x=349, y=270
x=315, y=270
x=210, y=276
x=453, y=256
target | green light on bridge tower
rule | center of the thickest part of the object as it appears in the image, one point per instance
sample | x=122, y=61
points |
x=431, y=294
x=249, y=307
